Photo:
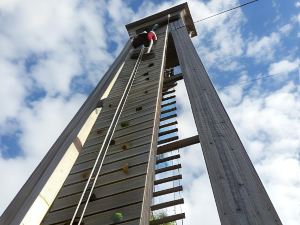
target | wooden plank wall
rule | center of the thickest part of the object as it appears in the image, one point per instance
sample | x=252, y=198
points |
x=18, y=208
x=126, y=177
x=238, y=191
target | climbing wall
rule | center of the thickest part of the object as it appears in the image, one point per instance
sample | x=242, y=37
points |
x=123, y=190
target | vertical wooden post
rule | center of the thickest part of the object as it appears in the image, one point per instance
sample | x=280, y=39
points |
x=238, y=191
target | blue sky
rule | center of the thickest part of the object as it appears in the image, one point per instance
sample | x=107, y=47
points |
x=54, y=52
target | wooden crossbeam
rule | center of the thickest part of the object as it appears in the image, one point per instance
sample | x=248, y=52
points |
x=167, y=132
x=168, y=159
x=174, y=78
x=167, y=104
x=167, y=191
x=178, y=144
x=167, y=204
x=168, y=92
x=168, y=124
x=168, y=219
x=168, y=168
x=167, y=140
x=167, y=179
x=168, y=98
x=168, y=117
x=168, y=110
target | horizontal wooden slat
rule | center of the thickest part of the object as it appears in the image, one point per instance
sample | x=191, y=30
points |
x=101, y=205
x=167, y=204
x=104, y=180
x=167, y=191
x=168, y=117
x=168, y=168
x=167, y=158
x=167, y=179
x=168, y=219
x=168, y=104
x=101, y=192
x=167, y=140
x=167, y=132
x=178, y=144
x=168, y=124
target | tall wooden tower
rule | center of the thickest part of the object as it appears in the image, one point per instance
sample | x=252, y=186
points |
x=104, y=167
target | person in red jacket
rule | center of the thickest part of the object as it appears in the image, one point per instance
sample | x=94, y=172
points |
x=145, y=38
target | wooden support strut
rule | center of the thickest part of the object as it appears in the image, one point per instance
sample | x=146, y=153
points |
x=239, y=193
x=178, y=144
x=167, y=191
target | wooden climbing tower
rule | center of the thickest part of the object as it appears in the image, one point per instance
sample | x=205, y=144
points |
x=119, y=152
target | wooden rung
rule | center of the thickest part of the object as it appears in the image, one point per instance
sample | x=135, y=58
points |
x=169, y=86
x=168, y=219
x=168, y=124
x=168, y=92
x=167, y=132
x=168, y=117
x=178, y=144
x=168, y=110
x=167, y=179
x=167, y=204
x=168, y=159
x=167, y=104
x=167, y=191
x=168, y=98
x=167, y=140
x=173, y=78
x=168, y=168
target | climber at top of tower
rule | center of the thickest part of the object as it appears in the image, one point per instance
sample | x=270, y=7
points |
x=146, y=38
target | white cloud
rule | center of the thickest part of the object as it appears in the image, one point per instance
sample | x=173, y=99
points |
x=263, y=49
x=297, y=4
x=284, y=66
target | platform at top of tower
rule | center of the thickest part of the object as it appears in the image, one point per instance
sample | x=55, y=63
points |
x=162, y=17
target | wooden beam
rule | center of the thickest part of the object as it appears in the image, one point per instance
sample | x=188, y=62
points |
x=167, y=191
x=168, y=117
x=167, y=132
x=168, y=98
x=168, y=92
x=174, y=78
x=168, y=168
x=168, y=110
x=167, y=140
x=168, y=124
x=167, y=104
x=178, y=144
x=167, y=204
x=168, y=219
x=167, y=179
x=168, y=159
x=239, y=193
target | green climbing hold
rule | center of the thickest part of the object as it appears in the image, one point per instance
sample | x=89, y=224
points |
x=117, y=217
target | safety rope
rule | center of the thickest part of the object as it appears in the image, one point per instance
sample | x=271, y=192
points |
x=106, y=142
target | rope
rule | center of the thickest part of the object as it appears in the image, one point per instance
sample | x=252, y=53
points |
x=105, y=144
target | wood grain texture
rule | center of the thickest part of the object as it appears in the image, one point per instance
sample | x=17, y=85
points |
x=238, y=191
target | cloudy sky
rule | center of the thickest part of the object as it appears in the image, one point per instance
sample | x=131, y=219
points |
x=52, y=54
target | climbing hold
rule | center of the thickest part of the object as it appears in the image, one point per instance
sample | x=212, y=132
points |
x=151, y=64
x=139, y=108
x=110, y=105
x=147, y=78
x=85, y=174
x=117, y=217
x=112, y=142
x=93, y=197
x=146, y=74
x=125, y=168
x=146, y=92
x=125, y=147
x=125, y=124
x=99, y=131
